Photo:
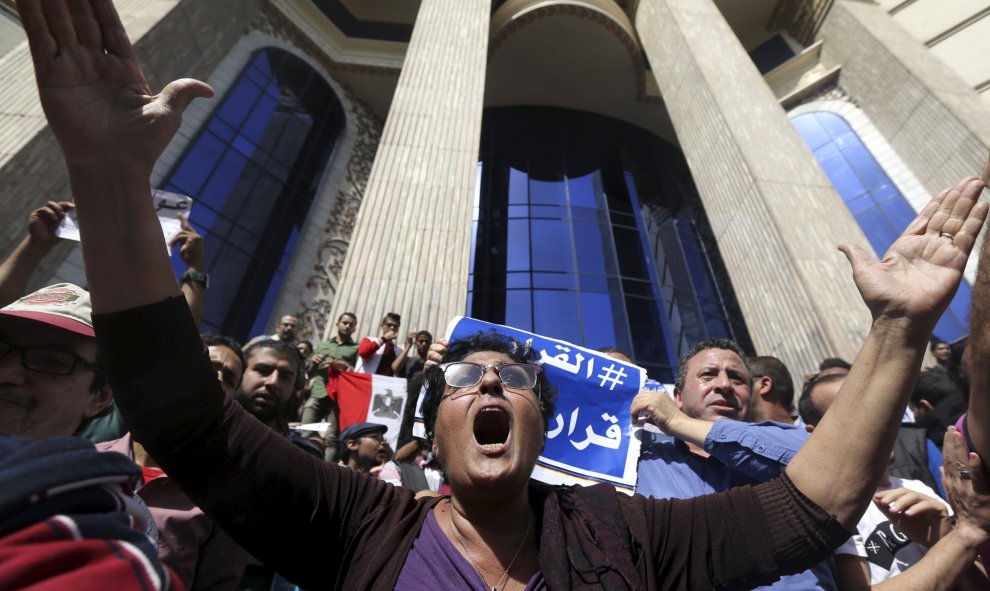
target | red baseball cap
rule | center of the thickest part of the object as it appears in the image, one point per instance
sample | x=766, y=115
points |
x=62, y=305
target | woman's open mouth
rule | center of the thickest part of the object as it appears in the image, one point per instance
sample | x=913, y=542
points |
x=491, y=429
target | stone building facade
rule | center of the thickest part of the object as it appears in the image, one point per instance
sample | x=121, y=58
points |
x=637, y=173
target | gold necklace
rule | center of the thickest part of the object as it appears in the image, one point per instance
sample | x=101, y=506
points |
x=522, y=543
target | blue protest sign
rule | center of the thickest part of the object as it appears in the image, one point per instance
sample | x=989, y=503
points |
x=589, y=436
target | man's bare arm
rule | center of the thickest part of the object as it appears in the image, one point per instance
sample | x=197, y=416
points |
x=16, y=269
x=111, y=129
x=906, y=292
x=978, y=417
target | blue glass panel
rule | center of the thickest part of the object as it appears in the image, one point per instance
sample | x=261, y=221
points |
x=843, y=177
x=552, y=212
x=885, y=191
x=518, y=187
x=593, y=282
x=949, y=327
x=556, y=314
x=847, y=139
x=290, y=142
x=834, y=125
x=696, y=266
x=552, y=246
x=263, y=63
x=953, y=325
x=255, y=125
x=517, y=246
x=197, y=165
x=547, y=192
x=243, y=145
x=267, y=304
x=591, y=246
x=249, y=208
x=877, y=229
x=866, y=167
x=648, y=344
x=582, y=191
x=226, y=175
x=596, y=316
x=826, y=151
x=555, y=280
x=256, y=76
x=861, y=203
x=811, y=130
x=519, y=309
x=221, y=129
x=898, y=212
x=518, y=211
x=516, y=281
x=239, y=102
x=585, y=213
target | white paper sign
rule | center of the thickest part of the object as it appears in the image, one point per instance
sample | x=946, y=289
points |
x=168, y=205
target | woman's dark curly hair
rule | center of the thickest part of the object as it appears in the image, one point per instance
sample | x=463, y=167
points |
x=485, y=341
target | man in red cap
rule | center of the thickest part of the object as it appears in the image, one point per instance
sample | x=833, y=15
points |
x=51, y=379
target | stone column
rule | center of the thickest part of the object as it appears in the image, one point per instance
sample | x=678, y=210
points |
x=774, y=213
x=410, y=252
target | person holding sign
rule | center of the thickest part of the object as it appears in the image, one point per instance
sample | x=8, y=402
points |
x=323, y=526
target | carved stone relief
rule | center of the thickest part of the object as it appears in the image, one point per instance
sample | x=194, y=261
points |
x=316, y=300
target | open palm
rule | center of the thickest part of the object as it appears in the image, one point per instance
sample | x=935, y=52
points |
x=92, y=89
x=919, y=274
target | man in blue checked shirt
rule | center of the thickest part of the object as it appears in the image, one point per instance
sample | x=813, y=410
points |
x=706, y=445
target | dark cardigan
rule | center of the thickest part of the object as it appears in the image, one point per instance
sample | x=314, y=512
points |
x=323, y=526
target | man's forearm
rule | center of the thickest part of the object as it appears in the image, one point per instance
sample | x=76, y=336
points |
x=840, y=465
x=195, y=294
x=978, y=420
x=689, y=429
x=941, y=568
x=400, y=360
x=16, y=269
x=121, y=234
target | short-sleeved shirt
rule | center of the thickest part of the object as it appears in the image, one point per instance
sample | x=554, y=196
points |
x=331, y=348
x=887, y=551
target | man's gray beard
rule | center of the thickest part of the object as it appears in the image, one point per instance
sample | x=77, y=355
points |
x=22, y=424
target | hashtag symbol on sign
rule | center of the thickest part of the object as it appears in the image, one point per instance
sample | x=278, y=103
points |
x=613, y=376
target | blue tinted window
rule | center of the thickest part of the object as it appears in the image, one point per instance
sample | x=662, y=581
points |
x=547, y=192
x=518, y=187
x=582, y=191
x=519, y=309
x=579, y=261
x=552, y=248
x=517, y=246
x=279, y=115
x=556, y=314
x=198, y=164
x=873, y=199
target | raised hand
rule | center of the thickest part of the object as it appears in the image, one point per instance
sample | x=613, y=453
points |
x=435, y=354
x=919, y=274
x=94, y=94
x=43, y=222
x=920, y=517
x=966, y=484
x=657, y=408
x=190, y=242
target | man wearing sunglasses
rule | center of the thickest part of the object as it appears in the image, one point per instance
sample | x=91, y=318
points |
x=51, y=380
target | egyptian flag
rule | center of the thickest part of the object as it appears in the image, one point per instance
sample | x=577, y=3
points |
x=363, y=397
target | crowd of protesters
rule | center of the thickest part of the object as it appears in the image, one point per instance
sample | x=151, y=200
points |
x=862, y=474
